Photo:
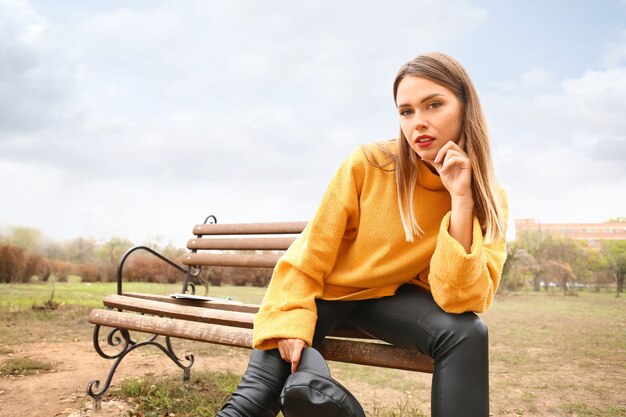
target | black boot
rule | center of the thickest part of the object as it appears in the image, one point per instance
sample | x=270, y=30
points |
x=259, y=390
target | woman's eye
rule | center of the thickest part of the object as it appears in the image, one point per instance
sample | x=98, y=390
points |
x=434, y=105
x=405, y=112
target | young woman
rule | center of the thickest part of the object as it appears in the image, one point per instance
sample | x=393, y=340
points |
x=407, y=245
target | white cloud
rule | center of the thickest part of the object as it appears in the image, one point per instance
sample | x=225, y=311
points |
x=135, y=121
x=116, y=121
x=35, y=87
x=141, y=120
x=563, y=153
x=590, y=106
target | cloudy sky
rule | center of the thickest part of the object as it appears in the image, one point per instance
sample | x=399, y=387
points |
x=137, y=119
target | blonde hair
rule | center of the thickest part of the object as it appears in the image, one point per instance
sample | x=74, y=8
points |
x=448, y=72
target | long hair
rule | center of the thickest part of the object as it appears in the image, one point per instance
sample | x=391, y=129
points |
x=448, y=72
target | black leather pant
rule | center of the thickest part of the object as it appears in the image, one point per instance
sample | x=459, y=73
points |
x=457, y=343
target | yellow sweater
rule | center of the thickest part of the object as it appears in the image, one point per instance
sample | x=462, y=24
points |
x=354, y=248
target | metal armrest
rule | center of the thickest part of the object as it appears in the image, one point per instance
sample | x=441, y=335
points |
x=149, y=250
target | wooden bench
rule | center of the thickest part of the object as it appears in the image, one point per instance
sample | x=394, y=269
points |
x=220, y=321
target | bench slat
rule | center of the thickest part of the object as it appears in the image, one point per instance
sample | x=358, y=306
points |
x=172, y=307
x=377, y=354
x=203, y=332
x=276, y=243
x=199, y=314
x=245, y=308
x=364, y=353
x=249, y=228
x=267, y=260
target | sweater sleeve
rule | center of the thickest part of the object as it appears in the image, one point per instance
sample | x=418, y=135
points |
x=288, y=309
x=462, y=282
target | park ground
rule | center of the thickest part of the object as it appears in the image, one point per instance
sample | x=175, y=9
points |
x=551, y=355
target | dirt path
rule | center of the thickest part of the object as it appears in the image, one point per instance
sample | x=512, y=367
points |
x=61, y=392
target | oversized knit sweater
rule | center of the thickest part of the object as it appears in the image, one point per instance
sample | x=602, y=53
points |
x=354, y=248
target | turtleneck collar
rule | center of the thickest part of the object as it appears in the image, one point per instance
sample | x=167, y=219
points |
x=428, y=179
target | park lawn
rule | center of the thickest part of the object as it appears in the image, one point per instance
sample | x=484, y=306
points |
x=558, y=354
x=551, y=355
x=17, y=297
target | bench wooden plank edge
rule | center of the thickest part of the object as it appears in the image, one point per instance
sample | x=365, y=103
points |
x=267, y=260
x=232, y=306
x=190, y=313
x=236, y=315
x=275, y=243
x=249, y=228
x=358, y=352
x=377, y=354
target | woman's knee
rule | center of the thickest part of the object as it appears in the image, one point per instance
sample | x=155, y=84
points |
x=466, y=331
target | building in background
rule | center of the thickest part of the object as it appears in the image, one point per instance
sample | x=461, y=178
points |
x=594, y=233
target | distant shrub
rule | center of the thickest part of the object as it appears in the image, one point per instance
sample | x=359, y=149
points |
x=91, y=272
x=12, y=263
x=18, y=265
x=256, y=277
x=34, y=264
x=147, y=268
x=62, y=269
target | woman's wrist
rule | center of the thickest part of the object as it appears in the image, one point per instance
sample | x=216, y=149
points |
x=462, y=221
x=463, y=203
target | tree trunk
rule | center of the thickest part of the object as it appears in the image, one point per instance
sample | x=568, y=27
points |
x=536, y=283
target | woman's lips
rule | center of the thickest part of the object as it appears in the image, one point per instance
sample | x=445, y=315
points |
x=424, y=141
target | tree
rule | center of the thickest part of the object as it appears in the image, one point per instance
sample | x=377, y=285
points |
x=112, y=250
x=54, y=250
x=615, y=253
x=562, y=272
x=26, y=237
x=573, y=259
x=558, y=259
x=520, y=269
x=617, y=220
x=81, y=250
x=110, y=253
x=534, y=244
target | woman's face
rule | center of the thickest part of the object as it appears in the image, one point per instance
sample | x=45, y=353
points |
x=430, y=115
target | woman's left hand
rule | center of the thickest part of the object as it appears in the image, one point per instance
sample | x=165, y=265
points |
x=455, y=169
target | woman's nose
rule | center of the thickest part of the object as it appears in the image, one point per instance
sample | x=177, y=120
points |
x=420, y=124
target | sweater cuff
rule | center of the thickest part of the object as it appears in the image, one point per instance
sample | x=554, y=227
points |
x=451, y=263
x=276, y=324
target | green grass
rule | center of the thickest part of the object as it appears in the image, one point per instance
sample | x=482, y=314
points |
x=203, y=396
x=581, y=409
x=552, y=352
x=403, y=407
x=17, y=297
x=21, y=306
x=23, y=366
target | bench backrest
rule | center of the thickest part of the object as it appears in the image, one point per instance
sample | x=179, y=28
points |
x=246, y=245
x=255, y=245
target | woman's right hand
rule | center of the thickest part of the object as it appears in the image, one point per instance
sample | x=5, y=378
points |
x=291, y=351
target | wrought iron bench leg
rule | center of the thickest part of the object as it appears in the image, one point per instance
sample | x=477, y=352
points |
x=127, y=345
